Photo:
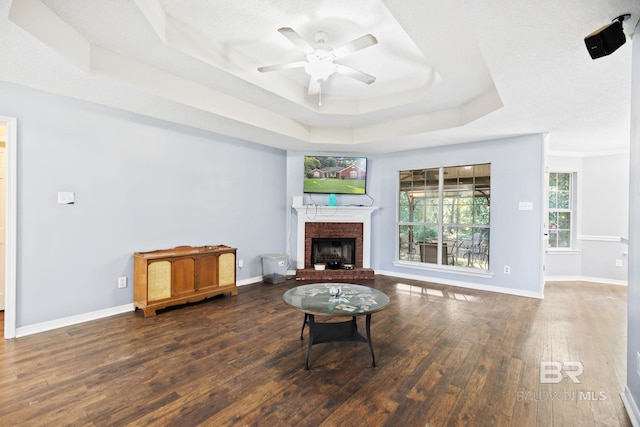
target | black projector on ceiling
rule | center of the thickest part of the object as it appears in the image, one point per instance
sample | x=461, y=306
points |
x=607, y=39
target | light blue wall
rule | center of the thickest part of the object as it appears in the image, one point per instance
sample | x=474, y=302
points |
x=605, y=215
x=516, y=236
x=295, y=179
x=600, y=220
x=140, y=184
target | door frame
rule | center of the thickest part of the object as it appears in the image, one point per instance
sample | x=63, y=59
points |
x=10, y=284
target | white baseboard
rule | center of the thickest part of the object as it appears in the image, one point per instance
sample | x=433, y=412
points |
x=249, y=281
x=631, y=407
x=585, y=279
x=94, y=315
x=468, y=285
x=256, y=279
x=72, y=320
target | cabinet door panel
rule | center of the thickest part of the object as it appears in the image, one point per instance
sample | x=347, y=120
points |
x=207, y=272
x=159, y=280
x=183, y=276
x=227, y=269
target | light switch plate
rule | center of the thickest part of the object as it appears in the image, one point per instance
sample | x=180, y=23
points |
x=66, y=198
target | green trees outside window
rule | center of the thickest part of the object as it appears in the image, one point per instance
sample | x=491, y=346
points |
x=444, y=215
x=560, y=209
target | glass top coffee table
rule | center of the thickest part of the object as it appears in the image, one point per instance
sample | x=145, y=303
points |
x=335, y=300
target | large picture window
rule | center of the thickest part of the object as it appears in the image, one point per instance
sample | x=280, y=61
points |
x=560, y=209
x=444, y=215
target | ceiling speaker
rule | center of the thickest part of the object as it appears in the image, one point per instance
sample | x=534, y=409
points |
x=605, y=40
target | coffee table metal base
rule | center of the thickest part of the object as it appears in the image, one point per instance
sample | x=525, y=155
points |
x=320, y=332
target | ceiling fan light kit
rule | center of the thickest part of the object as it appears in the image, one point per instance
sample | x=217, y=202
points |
x=320, y=62
x=320, y=65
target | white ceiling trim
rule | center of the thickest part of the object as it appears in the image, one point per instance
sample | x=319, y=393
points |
x=154, y=81
x=46, y=26
x=494, y=68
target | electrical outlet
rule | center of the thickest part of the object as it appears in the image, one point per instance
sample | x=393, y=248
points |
x=618, y=263
x=122, y=282
x=66, y=198
x=240, y=263
x=507, y=269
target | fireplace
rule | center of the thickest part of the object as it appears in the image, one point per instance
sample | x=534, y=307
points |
x=333, y=252
x=337, y=231
x=338, y=222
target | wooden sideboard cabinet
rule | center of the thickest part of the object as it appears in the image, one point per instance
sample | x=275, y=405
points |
x=168, y=277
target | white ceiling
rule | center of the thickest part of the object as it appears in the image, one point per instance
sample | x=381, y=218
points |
x=446, y=72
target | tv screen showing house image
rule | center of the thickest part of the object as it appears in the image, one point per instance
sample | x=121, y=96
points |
x=335, y=175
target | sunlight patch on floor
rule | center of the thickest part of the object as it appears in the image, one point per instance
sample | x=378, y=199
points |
x=419, y=291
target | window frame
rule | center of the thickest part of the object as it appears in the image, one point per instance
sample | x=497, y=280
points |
x=571, y=210
x=441, y=230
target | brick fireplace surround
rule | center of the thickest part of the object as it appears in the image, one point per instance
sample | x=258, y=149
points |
x=334, y=222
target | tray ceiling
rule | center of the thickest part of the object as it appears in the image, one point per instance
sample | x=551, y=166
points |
x=445, y=72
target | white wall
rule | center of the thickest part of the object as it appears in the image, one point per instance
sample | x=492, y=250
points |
x=140, y=184
x=631, y=395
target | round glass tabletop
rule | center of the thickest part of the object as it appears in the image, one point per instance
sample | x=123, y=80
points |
x=335, y=299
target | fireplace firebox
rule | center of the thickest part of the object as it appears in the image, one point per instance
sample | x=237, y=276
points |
x=333, y=252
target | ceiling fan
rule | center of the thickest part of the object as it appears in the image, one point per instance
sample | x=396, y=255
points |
x=320, y=63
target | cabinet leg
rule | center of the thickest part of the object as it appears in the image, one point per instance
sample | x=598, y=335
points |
x=149, y=312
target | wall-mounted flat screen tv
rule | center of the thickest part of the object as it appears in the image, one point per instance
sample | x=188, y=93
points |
x=335, y=175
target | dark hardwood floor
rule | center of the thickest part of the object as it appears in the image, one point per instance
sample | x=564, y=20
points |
x=445, y=356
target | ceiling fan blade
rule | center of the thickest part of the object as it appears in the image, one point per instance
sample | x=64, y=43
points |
x=355, y=74
x=296, y=39
x=354, y=46
x=314, y=87
x=278, y=67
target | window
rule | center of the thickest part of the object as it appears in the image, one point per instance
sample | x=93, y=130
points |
x=444, y=215
x=560, y=209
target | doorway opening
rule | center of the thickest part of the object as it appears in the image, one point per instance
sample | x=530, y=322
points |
x=8, y=196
